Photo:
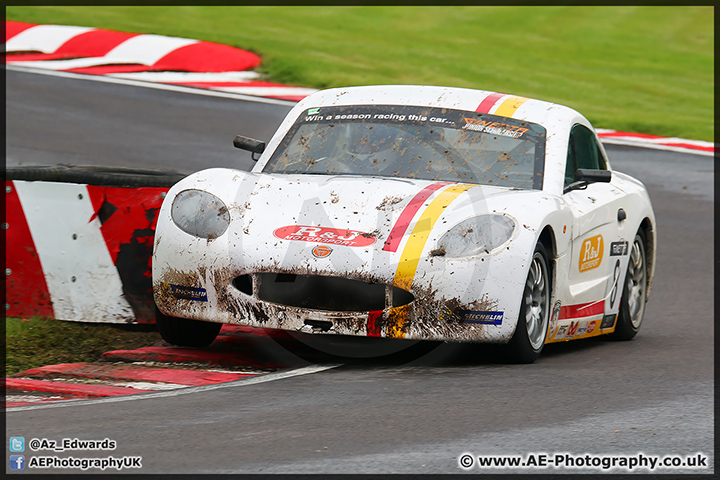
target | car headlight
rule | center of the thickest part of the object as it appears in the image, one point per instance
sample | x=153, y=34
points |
x=475, y=235
x=199, y=213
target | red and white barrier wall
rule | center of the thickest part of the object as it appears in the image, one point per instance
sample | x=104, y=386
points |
x=149, y=58
x=80, y=252
x=656, y=142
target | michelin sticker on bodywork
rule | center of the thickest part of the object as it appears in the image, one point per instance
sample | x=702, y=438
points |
x=186, y=293
x=484, y=318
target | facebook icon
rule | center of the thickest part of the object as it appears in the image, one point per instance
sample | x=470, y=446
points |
x=17, y=462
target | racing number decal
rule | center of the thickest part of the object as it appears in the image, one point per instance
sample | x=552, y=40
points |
x=616, y=277
x=619, y=250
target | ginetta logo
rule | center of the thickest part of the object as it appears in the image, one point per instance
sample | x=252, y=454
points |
x=591, y=253
x=334, y=236
x=496, y=128
x=321, y=251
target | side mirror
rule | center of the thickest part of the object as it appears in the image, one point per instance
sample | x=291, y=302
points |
x=249, y=144
x=586, y=176
x=593, y=176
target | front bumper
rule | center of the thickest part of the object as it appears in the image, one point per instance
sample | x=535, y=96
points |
x=217, y=299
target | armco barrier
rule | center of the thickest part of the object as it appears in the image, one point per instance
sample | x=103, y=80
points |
x=79, y=241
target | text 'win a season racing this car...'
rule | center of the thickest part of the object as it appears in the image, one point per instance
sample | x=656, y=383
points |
x=411, y=212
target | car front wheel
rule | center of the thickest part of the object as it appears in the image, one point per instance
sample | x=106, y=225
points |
x=186, y=332
x=529, y=337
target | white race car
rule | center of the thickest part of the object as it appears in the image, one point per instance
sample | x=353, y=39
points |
x=411, y=212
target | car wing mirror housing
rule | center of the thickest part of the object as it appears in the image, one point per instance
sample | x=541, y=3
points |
x=586, y=176
x=593, y=176
x=256, y=147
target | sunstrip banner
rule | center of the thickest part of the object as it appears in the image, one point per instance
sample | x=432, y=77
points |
x=80, y=252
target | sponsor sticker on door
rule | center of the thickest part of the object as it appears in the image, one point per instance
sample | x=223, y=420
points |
x=591, y=253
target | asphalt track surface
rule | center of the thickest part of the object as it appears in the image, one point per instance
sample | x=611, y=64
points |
x=417, y=411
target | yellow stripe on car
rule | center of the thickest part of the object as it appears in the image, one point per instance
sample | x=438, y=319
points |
x=410, y=257
x=510, y=106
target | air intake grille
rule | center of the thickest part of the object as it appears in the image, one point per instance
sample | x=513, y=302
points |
x=322, y=293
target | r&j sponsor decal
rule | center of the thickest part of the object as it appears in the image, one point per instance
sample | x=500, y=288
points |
x=591, y=253
x=334, y=236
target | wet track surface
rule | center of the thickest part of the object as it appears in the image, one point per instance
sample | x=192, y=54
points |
x=415, y=411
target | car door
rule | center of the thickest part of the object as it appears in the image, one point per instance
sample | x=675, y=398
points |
x=599, y=254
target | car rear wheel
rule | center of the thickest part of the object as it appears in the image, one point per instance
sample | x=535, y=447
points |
x=186, y=332
x=529, y=337
x=632, y=303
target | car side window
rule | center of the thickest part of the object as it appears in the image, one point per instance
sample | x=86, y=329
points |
x=583, y=152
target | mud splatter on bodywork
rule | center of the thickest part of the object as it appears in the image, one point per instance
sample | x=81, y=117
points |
x=428, y=316
x=389, y=202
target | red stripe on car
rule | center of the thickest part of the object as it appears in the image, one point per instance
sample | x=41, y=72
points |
x=488, y=103
x=398, y=231
x=582, y=310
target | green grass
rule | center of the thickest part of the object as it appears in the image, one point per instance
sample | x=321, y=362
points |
x=36, y=342
x=644, y=69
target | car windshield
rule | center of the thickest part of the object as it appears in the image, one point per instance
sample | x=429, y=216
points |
x=413, y=142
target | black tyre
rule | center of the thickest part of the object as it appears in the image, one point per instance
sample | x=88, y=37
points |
x=186, y=332
x=632, y=303
x=529, y=337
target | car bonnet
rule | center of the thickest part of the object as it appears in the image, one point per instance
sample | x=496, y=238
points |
x=369, y=228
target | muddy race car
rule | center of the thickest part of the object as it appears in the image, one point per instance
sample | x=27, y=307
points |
x=411, y=212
